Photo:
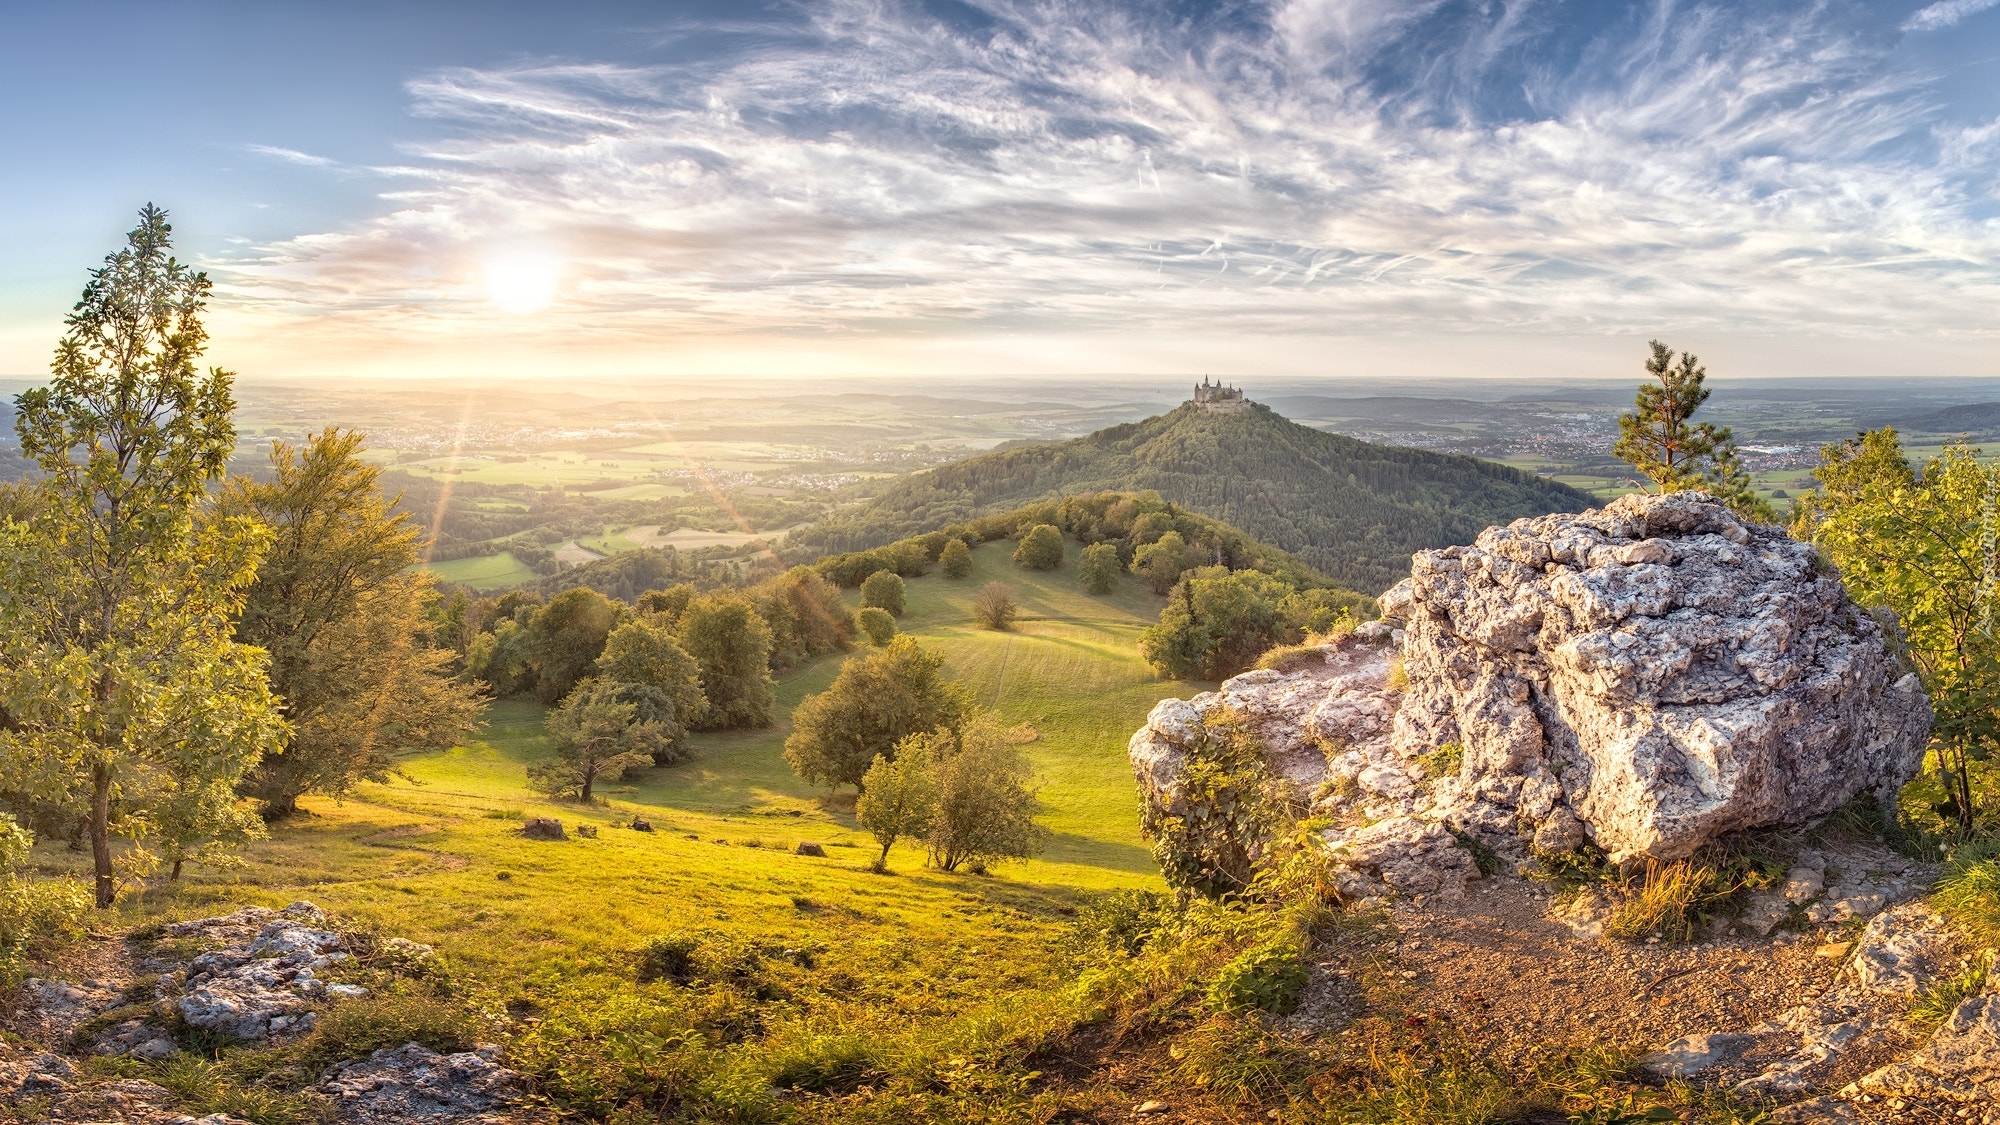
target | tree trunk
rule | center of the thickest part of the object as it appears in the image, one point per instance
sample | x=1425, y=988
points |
x=882, y=861
x=100, y=833
x=589, y=775
x=176, y=876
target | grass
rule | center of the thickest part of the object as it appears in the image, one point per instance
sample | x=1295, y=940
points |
x=484, y=572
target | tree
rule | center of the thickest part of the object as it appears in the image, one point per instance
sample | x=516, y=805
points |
x=1041, y=548
x=956, y=559
x=1162, y=562
x=643, y=654
x=983, y=808
x=1922, y=547
x=806, y=616
x=732, y=646
x=875, y=702
x=352, y=643
x=1659, y=440
x=994, y=606
x=1217, y=623
x=877, y=624
x=667, y=604
x=898, y=797
x=1099, y=568
x=884, y=590
x=565, y=637
x=594, y=736
x=118, y=663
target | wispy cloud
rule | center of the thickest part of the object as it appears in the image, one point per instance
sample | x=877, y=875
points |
x=292, y=156
x=1321, y=166
x=1944, y=14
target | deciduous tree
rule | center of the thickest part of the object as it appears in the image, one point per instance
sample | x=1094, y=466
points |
x=118, y=663
x=884, y=589
x=565, y=637
x=994, y=606
x=1162, y=562
x=644, y=654
x=1041, y=548
x=595, y=737
x=955, y=559
x=984, y=809
x=347, y=625
x=1098, y=568
x=732, y=646
x=876, y=623
x=898, y=797
x=875, y=702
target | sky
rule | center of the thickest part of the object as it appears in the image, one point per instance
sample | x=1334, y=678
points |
x=1320, y=188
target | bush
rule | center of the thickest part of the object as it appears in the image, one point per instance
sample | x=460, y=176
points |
x=875, y=702
x=994, y=607
x=884, y=589
x=877, y=625
x=956, y=559
x=1099, y=568
x=39, y=918
x=1041, y=548
x=1267, y=978
x=669, y=957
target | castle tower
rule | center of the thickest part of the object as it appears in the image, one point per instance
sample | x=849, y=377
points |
x=1216, y=398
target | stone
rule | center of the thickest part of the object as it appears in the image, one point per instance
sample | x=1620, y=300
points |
x=544, y=828
x=1149, y=1109
x=56, y=1008
x=413, y=1083
x=641, y=824
x=263, y=981
x=810, y=849
x=1403, y=854
x=1961, y=1062
x=1691, y=1054
x=1671, y=673
x=1901, y=950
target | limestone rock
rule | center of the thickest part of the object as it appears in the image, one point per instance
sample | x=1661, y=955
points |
x=1961, y=1062
x=1403, y=854
x=1670, y=672
x=413, y=1083
x=1692, y=1054
x=263, y=983
x=55, y=1008
x=1901, y=950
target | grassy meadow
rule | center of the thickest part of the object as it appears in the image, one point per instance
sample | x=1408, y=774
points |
x=435, y=854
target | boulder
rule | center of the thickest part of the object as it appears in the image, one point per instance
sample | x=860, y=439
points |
x=810, y=849
x=413, y=1083
x=1660, y=668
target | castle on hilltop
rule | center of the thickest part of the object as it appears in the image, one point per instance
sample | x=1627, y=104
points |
x=1218, y=399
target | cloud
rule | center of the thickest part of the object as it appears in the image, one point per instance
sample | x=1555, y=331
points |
x=1944, y=14
x=1339, y=167
x=292, y=156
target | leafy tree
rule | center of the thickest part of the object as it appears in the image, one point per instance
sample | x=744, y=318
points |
x=994, y=606
x=898, y=797
x=643, y=654
x=1099, y=568
x=955, y=559
x=346, y=623
x=1674, y=453
x=667, y=604
x=877, y=624
x=1041, y=548
x=1217, y=623
x=118, y=664
x=984, y=809
x=875, y=702
x=565, y=637
x=595, y=736
x=732, y=645
x=805, y=614
x=1921, y=546
x=1162, y=562
x=884, y=590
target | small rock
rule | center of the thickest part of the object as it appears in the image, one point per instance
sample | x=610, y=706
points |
x=346, y=991
x=1834, y=950
x=544, y=828
x=587, y=831
x=1691, y=1054
x=810, y=849
x=1148, y=1109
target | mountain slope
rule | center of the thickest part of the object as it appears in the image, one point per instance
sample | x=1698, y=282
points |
x=1352, y=509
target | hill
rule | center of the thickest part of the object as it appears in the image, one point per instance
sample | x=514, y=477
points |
x=1955, y=419
x=1350, y=508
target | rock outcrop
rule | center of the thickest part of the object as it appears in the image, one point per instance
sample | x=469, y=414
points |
x=1647, y=677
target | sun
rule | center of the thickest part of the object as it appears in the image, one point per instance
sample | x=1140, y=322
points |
x=522, y=281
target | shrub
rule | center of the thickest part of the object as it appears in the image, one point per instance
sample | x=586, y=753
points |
x=877, y=625
x=884, y=589
x=875, y=702
x=956, y=559
x=1267, y=977
x=39, y=918
x=1041, y=548
x=1969, y=892
x=407, y=1014
x=1099, y=568
x=1232, y=811
x=669, y=957
x=984, y=809
x=995, y=607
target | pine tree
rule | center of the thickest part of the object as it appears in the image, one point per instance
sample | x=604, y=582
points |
x=1675, y=453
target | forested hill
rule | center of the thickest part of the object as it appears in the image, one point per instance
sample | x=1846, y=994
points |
x=1353, y=509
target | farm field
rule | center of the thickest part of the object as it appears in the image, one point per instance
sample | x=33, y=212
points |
x=435, y=854
x=484, y=572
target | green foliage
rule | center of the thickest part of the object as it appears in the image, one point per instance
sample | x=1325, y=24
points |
x=731, y=643
x=565, y=636
x=1041, y=548
x=1268, y=977
x=995, y=606
x=1162, y=562
x=1968, y=893
x=644, y=653
x=955, y=559
x=876, y=701
x=884, y=590
x=877, y=625
x=898, y=796
x=1099, y=568
x=1445, y=761
x=1659, y=441
x=1232, y=812
x=118, y=669
x=336, y=606
x=1915, y=545
x=595, y=735
x=1936, y=1001
x=805, y=615
x=669, y=957
x=984, y=810
x=1217, y=623
x=1354, y=510
x=39, y=919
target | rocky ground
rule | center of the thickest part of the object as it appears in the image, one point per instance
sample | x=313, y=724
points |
x=254, y=977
